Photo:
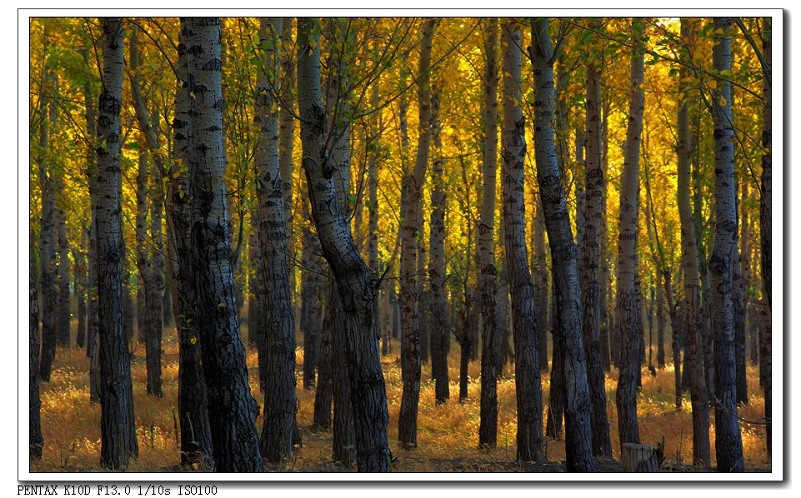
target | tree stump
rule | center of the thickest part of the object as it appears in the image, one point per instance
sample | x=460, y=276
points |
x=640, y=458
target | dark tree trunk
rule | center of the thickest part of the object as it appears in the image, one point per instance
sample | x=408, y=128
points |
x=79, y=256
x=324, y=395
x=766, y=234
x=355, y=281
x=63, y=315
x=232, y=409
x=117, y=424
x=344, y=441
x=35, y=439
x=591, y=305
x=273, y=261
x=556, y=396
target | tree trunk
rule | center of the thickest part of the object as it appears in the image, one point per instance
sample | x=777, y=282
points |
x=591, y=305
x=63, y=315
x=117, y=424
x=440, y=338
x=689, y=261
x=578, y=436
x=356, y=282
x=607, y=331
x=521, y=286
x=81, y=284
x=344, y=441
x=273, y=259
x=412, y=185
x=488, y=273
x=35, y=439
x=728, y=441
x=47, y=242
x=232, y=409
x=627, y=290
x=311, y=294
x=765, y=221
x=197, y=448
x=324, y=395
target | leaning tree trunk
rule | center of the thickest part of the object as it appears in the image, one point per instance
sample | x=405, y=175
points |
x=627, y=290
x=488, y=273
x=440, y=338
x=356, y=282
x=35, y=439
x=117, y=423
x=591, y=305
x=521, y=286
x=232, y=409
x=578, y=435
x=689, y=261
x=273, y=259
x=539, y=268
x=412, y=185
x=728, y=440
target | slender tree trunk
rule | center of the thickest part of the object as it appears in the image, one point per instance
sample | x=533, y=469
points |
x=765, y=221
x=412, y=184
x=154, y=297
x=356, y=282
x=118, y=431
x=689, y=257
x=344, y=440
x=607, y=331
x=324, y=395
x=81, y=284
x=232, y=409
x=488, y=273
x=578, y=435
x=440, y=338
x=35, y=439
x=728, y=441
x=539, y=270
x=591, y=305
x=660, y=322
x=63, y=315
x=521, y=286
x=627, y=290
x=273, y=260
x=47, y=242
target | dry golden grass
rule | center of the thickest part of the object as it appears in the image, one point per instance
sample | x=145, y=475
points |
x=447, y=434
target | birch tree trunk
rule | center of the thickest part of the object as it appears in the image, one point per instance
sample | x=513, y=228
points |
x=117, y=424
x=578, y=435
x=488, y=273
x=356, y=281
x=412, y=184
x=689, y=261
x=521, y=286
x=440, y=337
x=591, y=305
x=728, y=441
x=627, y=290
x=232, y=409
x=197, y=448
x=273, y=261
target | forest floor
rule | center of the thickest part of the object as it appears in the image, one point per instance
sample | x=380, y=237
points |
x=447, y=434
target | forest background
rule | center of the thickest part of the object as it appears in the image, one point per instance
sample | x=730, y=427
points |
x=23, y=234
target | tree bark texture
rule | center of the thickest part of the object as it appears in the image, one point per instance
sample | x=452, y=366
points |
x=196, y=441
x=692, y=292
x=232, y=409
x=578, y=435
x=521, y=286
x=591, y=305
x=35, y=439
x=412, y=220
x=728, y=440
x=488, y=273
x=627, y=290
x=765, y=224
x=118, y=431
x=440, y=337
x=356, y=281
x=273, y=260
